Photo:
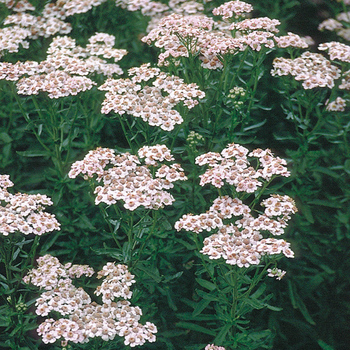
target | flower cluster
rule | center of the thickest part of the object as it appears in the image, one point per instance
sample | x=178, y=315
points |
x=147, y=7
x=87, y=319
x=193, y=139
x=153, y=104
x=237, y=95
x=50, y=21
x=128, y=180
x=339, y=25
x=338, y=105
x=24, y=25
x=214, y=347
x=24, y=213
x=336, y=51
x=232, y=165
x=182, y=35
x=313, y=69
x=233, y=9
x=64, y=71
x=241, y=243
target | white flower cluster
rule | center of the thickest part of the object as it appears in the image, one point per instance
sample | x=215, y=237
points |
x=65, y=70
x=179, y=35
x=128, y=180
x=24, y=25
x=153, y=104
x=214, y=347
x=336, y=51
x=242, y=243
x=232, y=166
x=24, y=213
x=339, y=25
x=313, y=69
x=233, y=9
x=147, y=7
x=338, y=105
x=87, y=319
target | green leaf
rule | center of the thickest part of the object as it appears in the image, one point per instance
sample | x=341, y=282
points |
x=206, y=284
x=200, y=307
x=34, y=153
x=153, y=274
x=254, y=303
x=222, y=334
x=324, y=345
x=5, y=138
x=195, y=327
x=207, y=296
x=325, y=203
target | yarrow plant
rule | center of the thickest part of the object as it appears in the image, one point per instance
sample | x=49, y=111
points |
x=239, y=229
x=83, y=319
x=135, y=165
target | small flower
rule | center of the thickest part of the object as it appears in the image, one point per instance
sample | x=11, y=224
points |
x=277, y=273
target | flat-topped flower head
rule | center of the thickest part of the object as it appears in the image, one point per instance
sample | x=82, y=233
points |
x=24, y=213
x=253, y=24
x=241, y=242
x=214, y=347
x=233, y=9
x=338, y=105
x=153, y=103
x=336, y=51
x=232, y=166
x=81, y=318
x=312, y=68
x=65, y=70
x=124, y=178
x=237, y=231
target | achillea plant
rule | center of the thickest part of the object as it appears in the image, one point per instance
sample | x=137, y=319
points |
x=84, y=319
x=243, y=233
x=20, y=214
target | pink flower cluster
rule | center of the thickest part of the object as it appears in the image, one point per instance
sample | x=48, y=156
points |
x=233, y=9
x=128, y=180
x=147, y=7
x=65, y=70
x=24, y=213
x=153, y=104
x=313, y=69
x=214, y=347
x=87, y=319
x=180, y=35
x=336, y=51
x=27, y=26
x=232, y=166
x=340, y=25
x=242, y=243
